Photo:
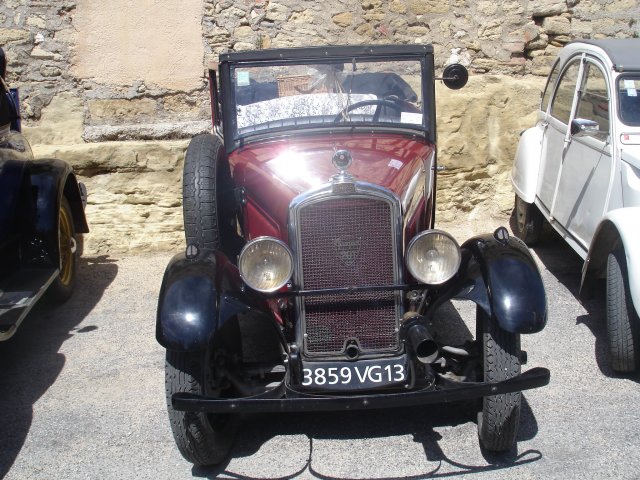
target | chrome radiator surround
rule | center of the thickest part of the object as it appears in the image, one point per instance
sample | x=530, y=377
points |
x=385, y=308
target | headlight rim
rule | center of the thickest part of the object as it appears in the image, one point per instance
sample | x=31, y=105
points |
x=431, y=232
x=252, y=242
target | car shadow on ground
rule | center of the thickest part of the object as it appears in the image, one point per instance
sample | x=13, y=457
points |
x=423, y=427
x=419, y=422
x=565, y=265
x=31, y=361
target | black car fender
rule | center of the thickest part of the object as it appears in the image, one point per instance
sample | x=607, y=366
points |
x=197, y=297
x=11, y=193
x=54, y=178
x=42, y=185
x=501, y=276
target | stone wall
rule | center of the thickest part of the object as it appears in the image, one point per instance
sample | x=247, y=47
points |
x=116, y=88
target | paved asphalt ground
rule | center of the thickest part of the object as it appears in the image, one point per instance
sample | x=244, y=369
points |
x=82, y=397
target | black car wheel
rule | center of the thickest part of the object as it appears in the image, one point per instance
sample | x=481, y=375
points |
x=62, y=287
x=499, y=418
x=208, y=198
x=202, y=438
x=622, y=319
x=528, y=221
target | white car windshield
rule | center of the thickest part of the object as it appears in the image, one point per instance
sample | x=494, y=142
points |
x=310, y=95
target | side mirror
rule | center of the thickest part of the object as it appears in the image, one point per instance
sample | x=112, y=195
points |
x=581, y=127
x=454, y=76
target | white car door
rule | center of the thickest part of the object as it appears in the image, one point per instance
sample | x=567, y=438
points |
x=557, y=124
x=586, y=169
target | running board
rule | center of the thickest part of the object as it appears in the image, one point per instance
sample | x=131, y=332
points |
x=19, y=293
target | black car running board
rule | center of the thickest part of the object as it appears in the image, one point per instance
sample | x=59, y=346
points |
x=20, y=292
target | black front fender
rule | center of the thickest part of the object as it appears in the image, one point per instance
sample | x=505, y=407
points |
x=188, y=303
x=36, y=206
x=198, y=296
x=504, y=280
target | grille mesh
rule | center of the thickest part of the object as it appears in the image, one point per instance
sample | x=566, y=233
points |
x=348, y=242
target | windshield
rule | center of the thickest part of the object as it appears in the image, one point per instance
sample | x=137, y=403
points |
x=308, y=95
x=628, y=91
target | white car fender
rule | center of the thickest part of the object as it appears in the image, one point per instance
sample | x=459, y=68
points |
x=526, y=166
x=622, y=224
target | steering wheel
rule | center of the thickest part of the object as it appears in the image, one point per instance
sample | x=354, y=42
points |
x=380, y=102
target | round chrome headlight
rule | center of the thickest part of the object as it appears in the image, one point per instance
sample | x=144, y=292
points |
x=433, y=257
x=266, y=264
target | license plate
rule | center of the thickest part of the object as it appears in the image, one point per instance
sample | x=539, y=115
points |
x=356, y=375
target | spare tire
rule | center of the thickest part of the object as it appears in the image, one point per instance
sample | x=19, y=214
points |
x=200, y=192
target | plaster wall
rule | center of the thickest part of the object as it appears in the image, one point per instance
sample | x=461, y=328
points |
x=153, y=42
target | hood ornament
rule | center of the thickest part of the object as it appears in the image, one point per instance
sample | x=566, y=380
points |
x=342, y=161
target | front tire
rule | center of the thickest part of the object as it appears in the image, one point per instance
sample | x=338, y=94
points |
x=528, y=221
x=622, y=319
x=62, y=287
x=499, y=419
x=202, y=439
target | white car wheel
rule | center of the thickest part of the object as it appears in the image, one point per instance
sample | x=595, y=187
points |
x=622, y=319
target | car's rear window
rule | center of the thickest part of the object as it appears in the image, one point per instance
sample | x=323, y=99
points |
x=629, y=99
x=385, y=92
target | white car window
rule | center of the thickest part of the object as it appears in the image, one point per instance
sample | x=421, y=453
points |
x=551, y=83
x=593, y=102
x=563, y=100
x=629, y=97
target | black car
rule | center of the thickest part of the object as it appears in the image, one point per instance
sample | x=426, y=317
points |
x=41, y=217
x=313, y=276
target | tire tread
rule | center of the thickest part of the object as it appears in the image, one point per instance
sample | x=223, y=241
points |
x=622, y=319
x=195, y=438
x=500, y=417
x=199, y=202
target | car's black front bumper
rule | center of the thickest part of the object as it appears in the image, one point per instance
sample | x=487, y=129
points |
x=533, y=378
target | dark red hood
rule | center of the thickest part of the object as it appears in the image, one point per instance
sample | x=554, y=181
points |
x=274, y=172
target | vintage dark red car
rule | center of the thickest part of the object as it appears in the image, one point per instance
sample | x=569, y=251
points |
x=41, y=218
x=313, y=274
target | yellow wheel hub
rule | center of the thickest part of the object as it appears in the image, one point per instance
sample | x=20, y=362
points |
x=67, y=246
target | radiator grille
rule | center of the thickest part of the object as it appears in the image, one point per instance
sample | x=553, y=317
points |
x=348, y=242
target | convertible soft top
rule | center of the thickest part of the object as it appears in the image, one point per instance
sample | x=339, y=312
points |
x=295, y=53
x=623, y=52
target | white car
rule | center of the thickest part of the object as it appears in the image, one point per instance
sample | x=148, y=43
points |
x=579, y=169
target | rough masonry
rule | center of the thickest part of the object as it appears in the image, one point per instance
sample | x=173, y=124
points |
x=117, y=88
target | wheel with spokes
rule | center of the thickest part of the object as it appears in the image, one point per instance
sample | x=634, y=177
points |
x=63, y=285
